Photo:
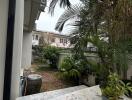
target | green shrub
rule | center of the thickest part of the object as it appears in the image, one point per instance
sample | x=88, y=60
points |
x=73, y=68
x=52, y=55
x=68, y=69
x=115, y=87
x=37, y=52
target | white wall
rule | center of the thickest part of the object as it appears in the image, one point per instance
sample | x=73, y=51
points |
x=34, y=40
x=27, y=50
x=3, y=31
x=17, y=49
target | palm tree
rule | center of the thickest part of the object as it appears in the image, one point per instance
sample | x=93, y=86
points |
x=103, y=17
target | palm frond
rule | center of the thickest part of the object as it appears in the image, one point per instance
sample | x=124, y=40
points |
x=71, y=13
x=65, y=3
x=62, y=3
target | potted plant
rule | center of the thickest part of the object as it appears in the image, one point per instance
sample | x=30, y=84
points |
x=115, y=89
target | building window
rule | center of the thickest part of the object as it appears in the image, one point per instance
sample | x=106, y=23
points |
x=36, y=37
x=61, y=40
x=33, y=37
x=53, y=40
x=65, y=41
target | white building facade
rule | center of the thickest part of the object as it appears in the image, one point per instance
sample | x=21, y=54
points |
x=50, y=38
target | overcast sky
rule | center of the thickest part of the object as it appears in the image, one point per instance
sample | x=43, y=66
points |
x=47, y=22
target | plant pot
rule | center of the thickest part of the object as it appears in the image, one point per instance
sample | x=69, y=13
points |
x=34, y=83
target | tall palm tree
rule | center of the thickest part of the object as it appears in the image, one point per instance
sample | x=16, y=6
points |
x=111, y=17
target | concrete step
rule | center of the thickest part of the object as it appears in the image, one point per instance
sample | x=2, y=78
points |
x=52, y=94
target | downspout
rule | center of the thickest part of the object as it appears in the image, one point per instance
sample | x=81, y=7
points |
x=9, y=50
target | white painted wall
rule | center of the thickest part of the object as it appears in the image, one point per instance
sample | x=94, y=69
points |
x=34, y=40
x=3, y=31
x=47, y=37
x=17, y=49
x=27, y=50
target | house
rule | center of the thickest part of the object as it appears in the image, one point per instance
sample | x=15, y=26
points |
x=17, y=18
x=51, y=38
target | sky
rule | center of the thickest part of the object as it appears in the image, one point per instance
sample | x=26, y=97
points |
x=47, y=22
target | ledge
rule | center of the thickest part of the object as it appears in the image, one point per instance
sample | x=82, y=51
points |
x=86, y=93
